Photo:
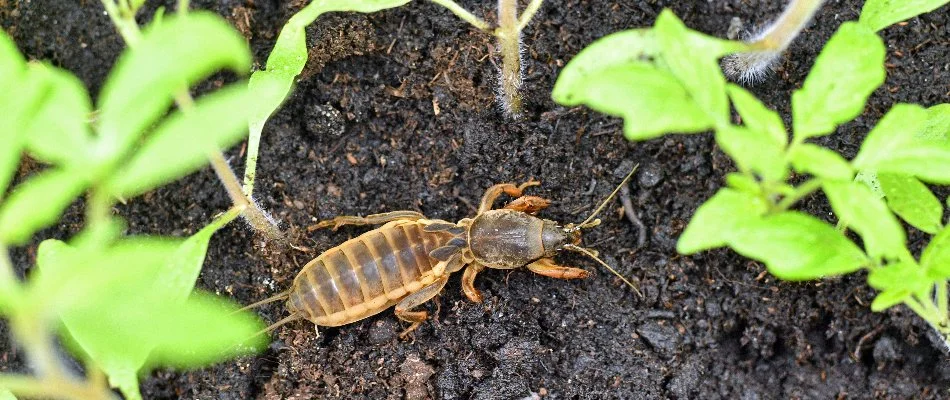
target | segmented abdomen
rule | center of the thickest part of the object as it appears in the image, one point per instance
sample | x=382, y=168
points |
x=366, y=274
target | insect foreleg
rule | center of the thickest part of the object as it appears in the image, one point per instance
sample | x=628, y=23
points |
x=488, y=199
x=549, y=268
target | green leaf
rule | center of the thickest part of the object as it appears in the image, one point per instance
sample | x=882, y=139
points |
x=753, y=151
x=363, y=6
x=38, y=203
x=144, y=81
x=821, y=162
x=869, y=216
x=912, y=201
x=650, y=101
x=888, y=299
x=936, y=256
x=179, y=274
x=897, y=145
x=6, y=395
x=715, y=221
x=743, y=183
x=203, y=330
x=639, y=45
x=846, y=72
x=869, y=179
x=796, y=246
x=756, y=116
x=58, y=132
x=693, y=59
x=182, y=143
x=12, y=63
x=879, y=14
x=937, y=127
x=897, y=281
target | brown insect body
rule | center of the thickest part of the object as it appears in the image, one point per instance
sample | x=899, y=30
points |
x=408, y=260
x=508, y=239
x=367, y=274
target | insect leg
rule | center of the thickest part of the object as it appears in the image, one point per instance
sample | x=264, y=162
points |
x=369, y=219
x=547, y=267
x=488, y=199
x=404, y=307
x=529, y=204
x=468, y=282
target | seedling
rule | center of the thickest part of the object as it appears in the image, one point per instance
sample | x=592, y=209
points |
x=508, y=32
x=669, y=82
x=123, y=305
x=285, y=62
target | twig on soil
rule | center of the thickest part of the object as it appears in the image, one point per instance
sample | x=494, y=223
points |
x=857, y=351
x=632, y=216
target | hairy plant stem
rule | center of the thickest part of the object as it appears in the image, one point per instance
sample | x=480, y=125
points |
x=781, y=33
x=509, y=41
x=508, y=33
x=128, y=28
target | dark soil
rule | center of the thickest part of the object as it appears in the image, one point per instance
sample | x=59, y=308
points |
x=395, y=111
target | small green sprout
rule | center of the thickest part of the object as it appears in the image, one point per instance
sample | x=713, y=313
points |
x=122, y=304
x=669, y=82
x=285, y=62
x=508, y=32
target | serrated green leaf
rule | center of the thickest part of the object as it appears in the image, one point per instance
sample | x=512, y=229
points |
x=897, y=145
x=756, y=115
x=848, y=70
x=879, y=14
x=37, y=203
x=181, y=144
x=869, y=216
x=796, y=246
x=753, y=151
x=58, y=132
x=639, y=45
x=145, y=79
x=935, y=258
x=650, y=101
x=912, y=201
x=821, y=162
x=714, y=222
x=693, y=58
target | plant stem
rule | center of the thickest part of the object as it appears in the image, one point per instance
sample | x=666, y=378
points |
x=801, y=191
x=781, y=33
x=942, y=303
x=528, y=14
x=509, y=41
x=130, y=32
x=10, y=289
x=464, y=14
x=29, y=387
x=182, y=7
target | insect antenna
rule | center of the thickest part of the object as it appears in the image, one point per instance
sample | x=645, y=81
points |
x=288, y=319
x=591, y=254
x=590, y=222
x=279, y=296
